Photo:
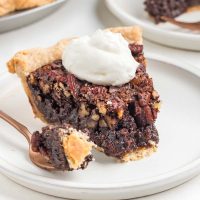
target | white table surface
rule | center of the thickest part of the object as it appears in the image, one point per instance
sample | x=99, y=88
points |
x=80, y=17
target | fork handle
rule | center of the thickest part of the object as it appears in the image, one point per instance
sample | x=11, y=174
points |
x=20, y=127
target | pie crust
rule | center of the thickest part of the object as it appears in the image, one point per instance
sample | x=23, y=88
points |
x=76, y=148
x=7, y=6
x=193, y=8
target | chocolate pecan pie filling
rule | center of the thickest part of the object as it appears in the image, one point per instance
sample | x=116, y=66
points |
x=118, y=119
x=169, y=8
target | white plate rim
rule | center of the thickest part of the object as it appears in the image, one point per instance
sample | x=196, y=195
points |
x=190, y=168
x=112, y=5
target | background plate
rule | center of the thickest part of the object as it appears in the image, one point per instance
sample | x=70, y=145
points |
x=176, y=161
x=132, y=12
x=22, y=18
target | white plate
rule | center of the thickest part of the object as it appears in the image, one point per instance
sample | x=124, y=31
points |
x=176, y=161
x=22, y=18
x=132, y=12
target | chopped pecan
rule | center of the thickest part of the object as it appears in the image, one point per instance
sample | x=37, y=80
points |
x=102, y=108
x=155, y=94
x=83, y=112
x=102, y=123
x=111, y=121
x=72, y=84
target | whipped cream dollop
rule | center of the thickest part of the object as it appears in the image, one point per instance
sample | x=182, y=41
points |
x=103, y=58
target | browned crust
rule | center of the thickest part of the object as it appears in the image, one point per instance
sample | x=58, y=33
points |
x=7, y=6
x=193, y=8
x=136, y=154
x=131, y=33
x=139, y=153
x=36, y=112
x=76, y=147
x=27, y=61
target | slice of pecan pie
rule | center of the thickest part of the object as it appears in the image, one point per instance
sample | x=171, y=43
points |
x=7, y=6
x=119, y=119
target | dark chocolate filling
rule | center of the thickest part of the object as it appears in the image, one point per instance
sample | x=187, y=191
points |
x=169, y=8
x=119, y=119
x=48, y=142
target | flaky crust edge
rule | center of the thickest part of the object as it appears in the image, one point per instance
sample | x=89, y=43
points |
x=139, y=153
x=8, y=6
x=136, y=154
x=29, y=60
x=76, y=147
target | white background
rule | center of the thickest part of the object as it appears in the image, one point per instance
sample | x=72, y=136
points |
x=80, y=17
